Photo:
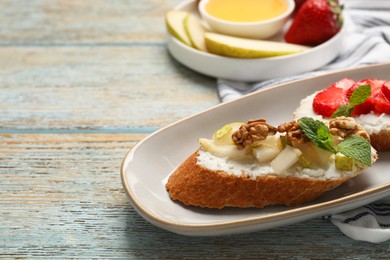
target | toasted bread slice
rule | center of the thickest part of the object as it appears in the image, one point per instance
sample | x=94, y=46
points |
x=195, y=185
x=271, y=166
x=381, y=140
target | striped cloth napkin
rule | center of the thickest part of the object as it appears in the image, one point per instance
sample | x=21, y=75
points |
x=367, y=42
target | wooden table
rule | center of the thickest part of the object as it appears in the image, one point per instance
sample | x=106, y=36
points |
x=81, y=82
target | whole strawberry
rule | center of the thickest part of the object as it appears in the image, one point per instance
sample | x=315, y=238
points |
x=298, y=4
x=316, y=22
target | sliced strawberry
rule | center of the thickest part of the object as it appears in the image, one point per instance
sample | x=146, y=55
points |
x=386, y=89
x=382, y=104
x=367, y=106
x=381, y=98
x=326, y=102
x=377, y=102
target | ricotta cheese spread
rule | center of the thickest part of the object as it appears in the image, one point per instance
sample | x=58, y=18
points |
x=252, y=169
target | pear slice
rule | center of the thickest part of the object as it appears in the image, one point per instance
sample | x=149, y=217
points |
x=313, y=154
x=344, y=163
x=174, y=20
x=305, y=163
x=265, y=153
x=224, y=135
x=195, y=32
x=285, y=159
x=270, y=141
x=229, y=151
x=267, y=149
x=247, y=48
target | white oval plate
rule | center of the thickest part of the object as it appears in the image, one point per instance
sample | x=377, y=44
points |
x=147, y=166
x=249, y=70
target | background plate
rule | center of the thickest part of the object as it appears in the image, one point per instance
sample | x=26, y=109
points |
x=252, y=69
x=147, y=166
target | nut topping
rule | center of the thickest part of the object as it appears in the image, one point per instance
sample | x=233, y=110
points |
x=345, y=127
x=294, y=133
x=252, y=131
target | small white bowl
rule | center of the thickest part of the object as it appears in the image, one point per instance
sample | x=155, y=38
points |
x=257, y=30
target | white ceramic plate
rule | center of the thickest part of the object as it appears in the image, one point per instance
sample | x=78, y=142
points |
x=147, y=166
x=252, y=69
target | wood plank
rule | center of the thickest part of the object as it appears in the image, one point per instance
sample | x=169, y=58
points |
x=61, y=196
x=72, y=21
x=125, y=89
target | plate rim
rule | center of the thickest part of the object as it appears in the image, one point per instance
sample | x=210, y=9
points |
x=199, y=229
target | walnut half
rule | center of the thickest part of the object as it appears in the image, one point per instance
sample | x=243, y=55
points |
x=294, y=133
x=252, y=131
x=345, y=127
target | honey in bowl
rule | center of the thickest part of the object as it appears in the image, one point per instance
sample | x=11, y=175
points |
x=246, y=10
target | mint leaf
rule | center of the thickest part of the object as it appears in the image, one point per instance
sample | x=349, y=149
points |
x=309, y=126
x=360, y=95
x=318, y=133
x=357, y=148
x=343, y=110
x=325, y=138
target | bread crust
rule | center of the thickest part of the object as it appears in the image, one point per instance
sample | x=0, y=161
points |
x=194, y=185
x=381, y=141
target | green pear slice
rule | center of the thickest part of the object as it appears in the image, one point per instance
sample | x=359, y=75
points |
x=285, y=159
x=264, y=153
x=344, y=163
x=195, y=32
x=247, y=48
x=224, y=135
x=229, y=151
x=175, y=23
x=314, y=154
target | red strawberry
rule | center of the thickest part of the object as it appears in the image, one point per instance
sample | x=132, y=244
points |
x=386, y=89
x=326, y=102
x=382, y=104
x=298, y=4
x=377, y=101
x=380, y=97
x=367, y=106
x=316, y=22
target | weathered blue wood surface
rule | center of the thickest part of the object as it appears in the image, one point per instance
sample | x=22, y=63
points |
x=80, y=83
